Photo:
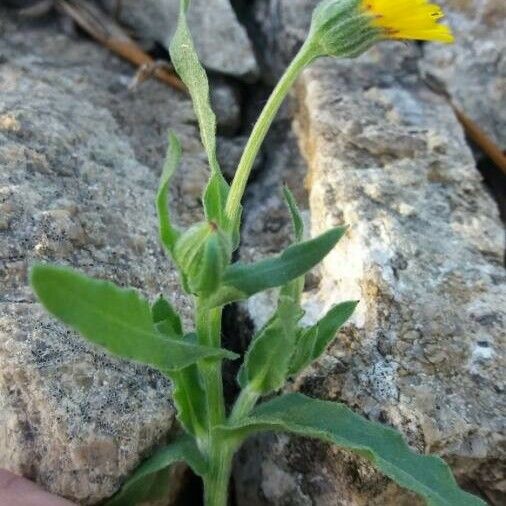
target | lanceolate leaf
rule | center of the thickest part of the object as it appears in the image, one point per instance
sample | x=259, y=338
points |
x=168, y=233
x=190, y=400
x=116, y=318
x=297, y=221
x=186, y=62
x=188, y=394
x=313, y=341
x=330, y=324
x=151, y=479
x=294, y=288
x=266, y=362
x=162, y=311
x=428, y=476
x=240, y=281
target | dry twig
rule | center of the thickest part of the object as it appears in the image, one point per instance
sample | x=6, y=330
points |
x=110, y=34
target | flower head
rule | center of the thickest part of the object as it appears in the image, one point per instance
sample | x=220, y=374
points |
x=407, y=19
x=346, y=28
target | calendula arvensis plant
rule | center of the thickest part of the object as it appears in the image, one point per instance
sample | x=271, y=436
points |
x=125, y=323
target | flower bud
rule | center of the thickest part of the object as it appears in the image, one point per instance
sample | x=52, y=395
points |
x=202, y=254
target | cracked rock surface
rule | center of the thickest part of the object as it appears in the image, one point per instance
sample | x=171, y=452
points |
x=77, y=152
x=473, y=69
x=425, y=350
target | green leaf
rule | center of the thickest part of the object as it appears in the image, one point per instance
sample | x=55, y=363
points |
x=215, y=197
x=428, y=476
x=313, y=341
x=188, y=393
x=151, y=479
x=297, y=221
x=241, y=281
x=294, y=288
x=266, y=363
x=202, y=254
x=215, y=259
x=303, y=350
x=190, y=400
x=168, y=233
x=162, y=311
x=186, y=62
x=115, y=318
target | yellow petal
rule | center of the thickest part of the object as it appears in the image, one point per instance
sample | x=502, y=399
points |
x=408, y=19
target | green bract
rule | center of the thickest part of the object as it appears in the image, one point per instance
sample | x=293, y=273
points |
x=339, y=28
x=123, y=322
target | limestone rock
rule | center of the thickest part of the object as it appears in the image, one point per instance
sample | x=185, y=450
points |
x=425, y=350
x=78, y=153
x=221, y=41
x=474, y=68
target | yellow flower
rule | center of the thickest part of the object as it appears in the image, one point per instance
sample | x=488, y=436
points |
x=408, y=19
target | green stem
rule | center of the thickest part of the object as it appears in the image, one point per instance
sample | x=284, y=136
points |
x=216, y=481
x=209, y=334
x=303, y=58
x=244, y=404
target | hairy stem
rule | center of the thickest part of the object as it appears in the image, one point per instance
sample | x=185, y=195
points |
x=244, y=403
x=209, y=334
x=217, y=480
x=303, y=58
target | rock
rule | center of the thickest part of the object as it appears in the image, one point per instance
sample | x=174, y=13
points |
x=425, y=351
x=225, y=100
x=474, y=68
x=80, y=158
x=281, y=27
x=221, y=41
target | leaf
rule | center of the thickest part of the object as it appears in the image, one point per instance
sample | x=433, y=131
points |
x=216, y=257
x=313, y=340
x=186, y=62
x=297, y=221
x=303, y=350
x=190, y=400
x=168, y=233
x=151, y=479
x=265, y=366
x=428, y=476
x=330, y=324
x=240, y=281
x=116, y=318
x=294, y=288
x=162, y=311
x=188, y=394
x=215, y=196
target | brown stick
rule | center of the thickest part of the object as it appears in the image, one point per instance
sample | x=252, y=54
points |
x=103, y=29
x=481, y=139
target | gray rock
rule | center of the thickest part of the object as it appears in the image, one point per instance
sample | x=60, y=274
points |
x=78, y=153
x=225, y=100
x=425, y=350
x=281, y=27
x=474, y=68
x=221, y=41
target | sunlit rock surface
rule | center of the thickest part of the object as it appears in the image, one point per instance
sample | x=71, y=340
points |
x=75, y=189
x=473, y=70
x=424, y=254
